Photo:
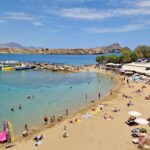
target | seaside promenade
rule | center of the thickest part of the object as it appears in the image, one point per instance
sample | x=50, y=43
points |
x=96, y=132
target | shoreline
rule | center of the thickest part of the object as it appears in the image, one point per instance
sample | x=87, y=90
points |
x=73, y=113
x=96, y=132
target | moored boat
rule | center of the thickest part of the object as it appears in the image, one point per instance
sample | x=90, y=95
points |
x=7, y=68
x=22, y=67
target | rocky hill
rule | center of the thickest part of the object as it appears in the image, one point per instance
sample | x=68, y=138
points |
x=15, y=48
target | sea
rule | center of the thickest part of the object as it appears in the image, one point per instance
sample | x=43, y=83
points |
x=51, y=92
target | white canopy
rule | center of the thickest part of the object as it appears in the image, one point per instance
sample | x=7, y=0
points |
x=141, y=121
x=134, y=113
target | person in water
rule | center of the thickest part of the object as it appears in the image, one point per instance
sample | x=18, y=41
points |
x=45, y=119
x=26, y=127
x=67, y=112
x=86, y=96
x=20, y=106
x=12, y=108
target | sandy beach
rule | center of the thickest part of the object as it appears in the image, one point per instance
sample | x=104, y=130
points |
x=96, y=132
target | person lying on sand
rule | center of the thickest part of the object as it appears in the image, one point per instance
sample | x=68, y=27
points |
x=131, y=86
x=115, y=109
x=138, y=91
x=130, y=103
x=76, y=120
x=107, y=117
x=126, y=96
x=147, y=97
x=38, y=138
x=130, y=121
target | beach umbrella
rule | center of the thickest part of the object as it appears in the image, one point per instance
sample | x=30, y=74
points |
x=110, y=64
x=134, y=113
x=141, y=121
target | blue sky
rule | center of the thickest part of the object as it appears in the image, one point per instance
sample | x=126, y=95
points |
x=75, y=23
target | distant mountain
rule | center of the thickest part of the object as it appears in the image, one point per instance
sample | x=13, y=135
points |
x=17, y=48
x=115, y=47
x=11, y=45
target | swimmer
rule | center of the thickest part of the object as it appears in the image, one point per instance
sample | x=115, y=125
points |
x=12, y=109
x=20, y=107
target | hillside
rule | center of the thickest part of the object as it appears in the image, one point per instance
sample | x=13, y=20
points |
x=15, y=48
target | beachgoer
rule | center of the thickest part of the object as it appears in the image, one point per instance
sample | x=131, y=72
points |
x=65, y=134
x=26, y=127
x=20, y=106
x=12, y=108
x=110, y=92
x=86, y=96
x=25, y=133
x=53, y=118
x=99, y=95
x=67, y=112
x=99, y=81
x=45, y=119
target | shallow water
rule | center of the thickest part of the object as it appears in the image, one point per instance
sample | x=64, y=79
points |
x=52, y=92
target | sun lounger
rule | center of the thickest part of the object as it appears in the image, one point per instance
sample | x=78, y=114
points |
x=135, y=140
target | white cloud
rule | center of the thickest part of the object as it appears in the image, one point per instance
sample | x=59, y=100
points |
x=126, y=28
x=37, y=23
x=95, y=14
x=20, y=16
x=144, y=3
x=83, y=13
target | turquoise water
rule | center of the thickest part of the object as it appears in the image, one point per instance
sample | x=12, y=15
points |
x=52, y=94
x=65, y=59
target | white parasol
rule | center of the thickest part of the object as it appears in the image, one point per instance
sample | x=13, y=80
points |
x=134, y=113
x=141, y=121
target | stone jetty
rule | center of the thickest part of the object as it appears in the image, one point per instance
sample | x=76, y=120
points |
x=55, y=67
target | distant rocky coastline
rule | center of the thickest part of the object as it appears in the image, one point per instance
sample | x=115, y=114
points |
x=4, y=49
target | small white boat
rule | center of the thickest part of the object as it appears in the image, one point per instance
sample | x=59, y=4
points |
x=22, y=67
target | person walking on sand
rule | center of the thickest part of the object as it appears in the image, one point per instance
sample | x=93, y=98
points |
x=65, y=134
x=99, y=95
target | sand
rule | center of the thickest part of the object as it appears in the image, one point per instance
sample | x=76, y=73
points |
x=96, y=133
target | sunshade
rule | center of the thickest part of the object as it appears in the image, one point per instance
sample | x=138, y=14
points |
x=141, y=121
x=134, y=113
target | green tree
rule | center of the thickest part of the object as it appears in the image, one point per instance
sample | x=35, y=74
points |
x=134, y=56
x=143, y=51
x=100, y=59
x=126, y=56
x=125, y=49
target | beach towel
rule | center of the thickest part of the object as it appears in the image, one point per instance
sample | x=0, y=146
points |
x=87, y=115
x=3, y=137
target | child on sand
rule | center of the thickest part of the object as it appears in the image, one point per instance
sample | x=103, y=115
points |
x=65, y=134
